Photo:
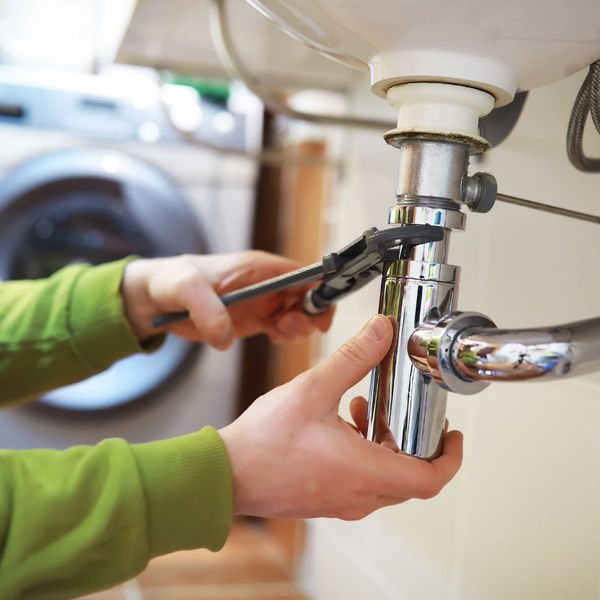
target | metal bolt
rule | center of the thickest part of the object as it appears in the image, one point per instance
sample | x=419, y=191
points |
x=479, y=192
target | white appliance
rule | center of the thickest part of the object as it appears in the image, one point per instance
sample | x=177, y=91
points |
x=219, y=189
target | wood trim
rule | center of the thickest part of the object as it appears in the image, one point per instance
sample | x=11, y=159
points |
x=290, y=203
x=258, y=354
x=304, y=190
x=302, y=239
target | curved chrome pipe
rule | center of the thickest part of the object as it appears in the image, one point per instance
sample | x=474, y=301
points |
x=465, y=351
x=522, y=354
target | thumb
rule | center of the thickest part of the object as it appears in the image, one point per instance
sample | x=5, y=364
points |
x=353, y=360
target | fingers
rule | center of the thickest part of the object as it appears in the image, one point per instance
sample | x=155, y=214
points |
x=194, y=283
x=211, y=318
x=403, y=476
x=290, y=305
x=252, y=266
x=323, y=321
x=426, y=479
x=364, y=509
x=208, y=314
x=352, y=361
x=382, y=433
x=295, y=323
x=276, y=314
x=358, y=411
x=449, y=463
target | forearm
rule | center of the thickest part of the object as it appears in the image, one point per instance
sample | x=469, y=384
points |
x=84, y=519
x=62, y=329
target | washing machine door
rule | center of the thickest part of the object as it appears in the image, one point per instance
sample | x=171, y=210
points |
x=94, y=205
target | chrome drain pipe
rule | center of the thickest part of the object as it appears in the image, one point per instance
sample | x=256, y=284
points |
x=407, y=408
x=436, y=133
x=465, y=352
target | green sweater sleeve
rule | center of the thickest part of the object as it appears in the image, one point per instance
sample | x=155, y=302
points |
x=62, y=329
x=87, y=518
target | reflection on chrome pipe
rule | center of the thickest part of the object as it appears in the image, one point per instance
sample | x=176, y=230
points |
x=521, y=354
x=430, y=350
x=463, y=352
x=406, y=408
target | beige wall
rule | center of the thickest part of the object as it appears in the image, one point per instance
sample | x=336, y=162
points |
x=522, y=519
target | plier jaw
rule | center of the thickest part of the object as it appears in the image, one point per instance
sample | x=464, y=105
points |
x=359, y=262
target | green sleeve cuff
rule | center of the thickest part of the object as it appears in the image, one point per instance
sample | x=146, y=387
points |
x=96, y=319
x=189, y=492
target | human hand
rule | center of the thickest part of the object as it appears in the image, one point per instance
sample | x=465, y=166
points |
x=293, y=456
x=195, y=282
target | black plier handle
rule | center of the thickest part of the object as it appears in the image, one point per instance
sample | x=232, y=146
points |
x=340, y=273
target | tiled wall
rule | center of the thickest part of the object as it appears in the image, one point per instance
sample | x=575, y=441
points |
x=522, y=519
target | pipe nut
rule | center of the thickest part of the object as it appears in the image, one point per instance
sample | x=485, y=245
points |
x=430, y=348
x=479, y=192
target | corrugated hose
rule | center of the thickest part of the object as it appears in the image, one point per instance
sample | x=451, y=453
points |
x=587, y=103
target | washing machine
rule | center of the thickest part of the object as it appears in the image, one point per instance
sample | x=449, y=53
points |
x=86, y=186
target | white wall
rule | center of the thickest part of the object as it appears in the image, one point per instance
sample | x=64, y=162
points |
x=522, y=519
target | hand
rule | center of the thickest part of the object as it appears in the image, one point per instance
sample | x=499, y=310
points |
x=293, y=456
x=194, y=283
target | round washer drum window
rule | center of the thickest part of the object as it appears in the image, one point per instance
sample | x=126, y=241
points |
x=88, y=205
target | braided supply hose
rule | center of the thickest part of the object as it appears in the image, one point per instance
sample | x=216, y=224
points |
x=587, y=103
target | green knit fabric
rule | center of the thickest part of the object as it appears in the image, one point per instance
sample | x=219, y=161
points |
x=84, y=519
x=63, y=329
